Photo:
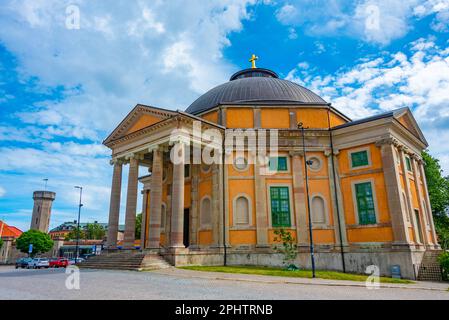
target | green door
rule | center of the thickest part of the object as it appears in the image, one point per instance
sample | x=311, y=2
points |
x=280, y=207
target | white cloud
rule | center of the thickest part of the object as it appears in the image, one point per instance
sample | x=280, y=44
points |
x=2, y=192
x=418, y=79
x=373, y=21
x=158, y=53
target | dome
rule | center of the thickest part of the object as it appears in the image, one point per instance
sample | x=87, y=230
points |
x=255, y=86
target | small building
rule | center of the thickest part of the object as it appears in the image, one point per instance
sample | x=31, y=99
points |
x=8, y=234
x=65, y=228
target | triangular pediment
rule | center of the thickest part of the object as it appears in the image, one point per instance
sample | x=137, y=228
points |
x=405, y=117
x=141, y=116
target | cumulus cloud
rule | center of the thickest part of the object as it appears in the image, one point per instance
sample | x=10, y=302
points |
x=417, y=78
x=374, y=21
x=123, y=53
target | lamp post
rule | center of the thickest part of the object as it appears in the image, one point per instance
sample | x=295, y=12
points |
x=78, y=227
x=308, y=163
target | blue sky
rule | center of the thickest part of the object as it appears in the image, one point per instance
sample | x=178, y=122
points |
x=63, y=89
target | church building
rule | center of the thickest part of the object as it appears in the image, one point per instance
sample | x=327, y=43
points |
x=358, y=187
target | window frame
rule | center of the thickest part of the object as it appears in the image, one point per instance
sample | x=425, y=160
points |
x=326, y=210
x=204, y=227
x=368, y=155
x=234, y=210
x=287, y=164
x=291, y=206
x=408, y=164
x=355, y=202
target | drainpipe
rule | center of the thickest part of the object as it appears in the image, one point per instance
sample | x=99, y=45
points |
x=223, y=190
x=335, y=190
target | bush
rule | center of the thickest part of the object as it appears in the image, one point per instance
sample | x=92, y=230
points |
x=443, y=259
x=1, y=243
x=41, y=242
x=289, y=248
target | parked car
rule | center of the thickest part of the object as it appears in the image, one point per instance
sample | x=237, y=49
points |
x=59, y=262
x=23, y=262
x=38, y=263
x=72, y=260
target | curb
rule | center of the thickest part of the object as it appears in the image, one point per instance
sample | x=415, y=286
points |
x=331, y=284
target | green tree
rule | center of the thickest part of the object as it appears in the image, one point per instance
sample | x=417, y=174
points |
x=289, y=248
x=438, y=187
x=72, y=235
x=41, y=242
x=1, y=243
x=138, y=225
x=94, y=231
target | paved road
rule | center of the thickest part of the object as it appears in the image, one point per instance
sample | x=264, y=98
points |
x=96, y=284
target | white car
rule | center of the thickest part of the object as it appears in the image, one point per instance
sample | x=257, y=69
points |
x=38, y=263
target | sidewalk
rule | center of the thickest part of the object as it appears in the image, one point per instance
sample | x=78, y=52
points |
x=421, y=285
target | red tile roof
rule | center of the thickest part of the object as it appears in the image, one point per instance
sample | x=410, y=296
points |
x=9, y=231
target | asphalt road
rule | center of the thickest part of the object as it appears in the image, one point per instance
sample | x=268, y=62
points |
x=96, y=284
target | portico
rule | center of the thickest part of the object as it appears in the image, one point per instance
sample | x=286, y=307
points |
x=168, y=155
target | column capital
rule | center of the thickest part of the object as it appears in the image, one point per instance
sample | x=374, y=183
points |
x=296, y=153
x=387, y=141
x=179, y=140
x=135, y=156
x=118, y=161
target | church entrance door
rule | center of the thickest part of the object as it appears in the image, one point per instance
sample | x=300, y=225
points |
x=186, y=235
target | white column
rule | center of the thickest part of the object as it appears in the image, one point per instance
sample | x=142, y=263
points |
x=131, y=203
x=177, y=221
x=393, y=188
x=155, y=200
x=114, y=206
x=302, y=235
x=429, y=207
x=408, y=195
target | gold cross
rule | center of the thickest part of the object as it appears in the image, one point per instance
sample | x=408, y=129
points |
x=253, y=61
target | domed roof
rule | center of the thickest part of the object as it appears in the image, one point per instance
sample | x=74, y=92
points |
x=255, y=86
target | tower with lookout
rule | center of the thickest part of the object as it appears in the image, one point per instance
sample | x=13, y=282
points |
x=365, y=200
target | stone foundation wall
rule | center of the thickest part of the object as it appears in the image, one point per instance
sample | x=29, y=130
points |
x=355, y=262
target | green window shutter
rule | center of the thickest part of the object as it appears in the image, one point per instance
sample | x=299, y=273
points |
x=359, y=159
x=280, y=207
x=282, y=164
x=278, y=164
x=365, y=203
x=272, y=164
x=408, y=163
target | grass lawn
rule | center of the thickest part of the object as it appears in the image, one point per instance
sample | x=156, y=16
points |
x=270, y=271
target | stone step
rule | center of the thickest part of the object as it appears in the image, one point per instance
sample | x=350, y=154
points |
x=429, y=269
x=126, y=261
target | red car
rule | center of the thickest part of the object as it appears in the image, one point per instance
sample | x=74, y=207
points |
x=59, y=263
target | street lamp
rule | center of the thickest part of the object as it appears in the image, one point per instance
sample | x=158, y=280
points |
x=308, y=163
x=78, y=227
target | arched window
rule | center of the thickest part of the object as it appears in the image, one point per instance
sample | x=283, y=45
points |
x=318, y=210
x=407, y=207
x=205, y=211
x=163, y=217
x=241, y=213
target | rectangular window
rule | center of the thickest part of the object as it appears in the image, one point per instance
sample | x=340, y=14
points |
x=186, y=171
x=408, y=164
x=278, y=164
x=280, y=206
x=365, y=203
x=359, y=159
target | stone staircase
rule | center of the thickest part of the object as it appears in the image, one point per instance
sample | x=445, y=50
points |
x=125, y=261
x=430, y=269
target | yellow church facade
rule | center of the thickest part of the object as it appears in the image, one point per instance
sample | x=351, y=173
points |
x=358, y=187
